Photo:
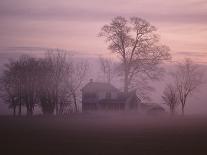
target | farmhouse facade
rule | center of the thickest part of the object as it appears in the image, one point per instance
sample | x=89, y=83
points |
x=104, y=96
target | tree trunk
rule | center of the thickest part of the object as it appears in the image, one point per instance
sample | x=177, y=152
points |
x=20, y=109
x=172, y=111
x=126, y=82
x=29, y=111
x=55, y=97
x=75, y=102
x=14, y=111
x=183, y=112
x=183, y=105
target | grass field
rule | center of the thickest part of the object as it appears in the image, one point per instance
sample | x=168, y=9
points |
x=103, y=134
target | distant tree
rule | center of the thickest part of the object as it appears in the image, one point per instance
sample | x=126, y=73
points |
x=29, y=73
x=136, y=44
x=52, y=82
x=29, y=81
x=76, y=79
x=45, y=89
x=61, y=81
x=170, y=97
x=58, y=61
x=8, y=90
x=188, y=77
x=108, y=68
x=19, y=83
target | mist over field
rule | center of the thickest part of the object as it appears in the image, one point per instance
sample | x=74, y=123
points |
x=103, y=77
x=196, y=102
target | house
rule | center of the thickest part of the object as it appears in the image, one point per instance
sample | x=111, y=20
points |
x=104, y=96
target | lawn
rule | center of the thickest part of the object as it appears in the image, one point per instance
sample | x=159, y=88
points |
x=93, y=134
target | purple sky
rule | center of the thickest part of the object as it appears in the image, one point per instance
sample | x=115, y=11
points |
x=74, y=24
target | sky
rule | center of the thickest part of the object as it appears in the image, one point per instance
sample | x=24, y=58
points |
x=74, y=24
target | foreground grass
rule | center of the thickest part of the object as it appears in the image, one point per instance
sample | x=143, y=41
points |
x=103, y=134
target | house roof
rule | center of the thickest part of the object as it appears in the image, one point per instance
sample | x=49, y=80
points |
x=98, y=87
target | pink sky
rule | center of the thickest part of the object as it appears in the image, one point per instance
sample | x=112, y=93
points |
x=74, y=24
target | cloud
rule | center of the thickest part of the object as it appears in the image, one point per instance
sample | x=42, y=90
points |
x=192, y=54
x=75, y=23
x=199, y=2
x=93, y=12
x=197, y=57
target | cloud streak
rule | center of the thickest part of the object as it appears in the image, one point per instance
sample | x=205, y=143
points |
x=93, y=13
x=74, y=24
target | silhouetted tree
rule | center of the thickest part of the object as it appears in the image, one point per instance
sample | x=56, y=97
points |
x=52, y=82
x=170, y=97
x=188, y=77
x=30, y=82
x=57, y=60
x=45, y=88
x=19, y=84
x=137, y=46
x=8, y=90
x=76, y=79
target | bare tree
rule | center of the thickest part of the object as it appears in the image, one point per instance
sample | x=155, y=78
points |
x=137, y=46
x=52, y=82
x=188, y=77
x=57, y=59
x=75, y=80
x=64, y=79
x=30, y=81
x=107, y=67
x=19, y=84
x=46, y=87
x=8, y=90
x=170, y=97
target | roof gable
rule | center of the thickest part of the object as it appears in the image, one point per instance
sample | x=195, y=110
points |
x=98, y=87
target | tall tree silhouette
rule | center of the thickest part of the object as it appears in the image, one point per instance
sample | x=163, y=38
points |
x=170, y=97
x=188, y=78
x=136, y=44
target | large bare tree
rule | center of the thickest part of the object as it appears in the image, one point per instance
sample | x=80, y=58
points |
x=188, y=77
x=137, y=45
x=170, y=97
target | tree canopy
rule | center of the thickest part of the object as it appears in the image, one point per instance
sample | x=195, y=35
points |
x=137, y=45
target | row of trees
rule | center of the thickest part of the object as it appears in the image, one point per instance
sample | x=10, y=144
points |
x=51, y=83
x=187, y=78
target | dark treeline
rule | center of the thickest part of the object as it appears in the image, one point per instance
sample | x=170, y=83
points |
x=52, y=83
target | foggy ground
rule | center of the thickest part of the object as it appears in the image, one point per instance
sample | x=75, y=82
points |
x=102, y=134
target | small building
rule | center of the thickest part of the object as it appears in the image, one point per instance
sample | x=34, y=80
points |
x=104, y=96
